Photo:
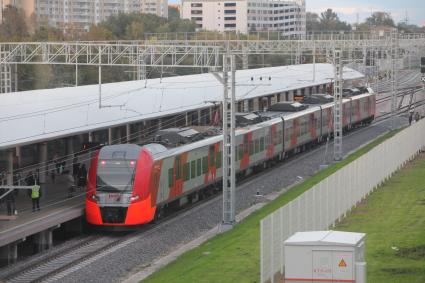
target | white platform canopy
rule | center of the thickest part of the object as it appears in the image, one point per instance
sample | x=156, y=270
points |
x=34, y=116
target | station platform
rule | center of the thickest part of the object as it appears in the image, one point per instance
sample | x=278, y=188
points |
x=56, y=208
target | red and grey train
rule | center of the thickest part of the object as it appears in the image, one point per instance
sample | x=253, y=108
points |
x=128, y=183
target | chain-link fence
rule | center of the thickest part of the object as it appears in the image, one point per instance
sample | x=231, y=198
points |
x=328, y=201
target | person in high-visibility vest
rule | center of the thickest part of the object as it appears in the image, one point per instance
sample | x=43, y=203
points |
x=35, y=197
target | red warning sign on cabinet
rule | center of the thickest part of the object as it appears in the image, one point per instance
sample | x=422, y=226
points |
x=342, y=263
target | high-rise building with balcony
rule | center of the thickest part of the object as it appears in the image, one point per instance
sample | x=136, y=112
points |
x=244, y=16
x=83, y=13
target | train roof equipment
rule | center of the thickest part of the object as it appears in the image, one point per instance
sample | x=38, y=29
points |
x=177, y=136
x=245, y=119
x=319, y=98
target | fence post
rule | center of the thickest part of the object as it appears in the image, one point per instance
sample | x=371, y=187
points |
x=282, y=239
x=271, y=250
x=262, y=251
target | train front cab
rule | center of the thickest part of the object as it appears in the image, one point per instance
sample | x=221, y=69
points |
x=118, y=190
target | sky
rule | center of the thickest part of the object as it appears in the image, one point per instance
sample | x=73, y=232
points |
x=347, y=10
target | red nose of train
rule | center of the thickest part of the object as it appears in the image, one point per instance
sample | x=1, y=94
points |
x=118, y=188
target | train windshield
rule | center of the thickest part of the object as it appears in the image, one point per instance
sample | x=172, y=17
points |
x=115, y=175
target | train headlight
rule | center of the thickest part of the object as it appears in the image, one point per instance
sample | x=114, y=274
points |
x=134, y=198
x=94, y=197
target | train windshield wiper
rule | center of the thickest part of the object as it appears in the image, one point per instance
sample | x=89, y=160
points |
x=106, y=188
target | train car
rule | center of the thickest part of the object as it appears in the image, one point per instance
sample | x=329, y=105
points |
x=363, y=109
x=127, y=183
x=130, y=184
x=302, y=128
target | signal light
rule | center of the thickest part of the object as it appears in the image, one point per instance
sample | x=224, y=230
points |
x=134, y=198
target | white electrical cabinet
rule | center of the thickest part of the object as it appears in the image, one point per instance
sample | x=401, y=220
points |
x=325, y=256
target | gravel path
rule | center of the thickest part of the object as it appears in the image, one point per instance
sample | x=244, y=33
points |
x=118, y=265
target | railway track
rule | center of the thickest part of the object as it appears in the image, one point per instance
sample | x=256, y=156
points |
x=91, y=248
x=402, y=93
x=86, y=250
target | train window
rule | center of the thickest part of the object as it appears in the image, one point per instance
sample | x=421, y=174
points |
x=262, y=144
x=257, y=145
x=186, y=173
x=118, y=155
x=178, y=168
x=218, y=160
x=199, y=167
x=204, y=165
x=246, y=147
x=171, y=177
x=240, y=152
x=212, y=156
x=251, y=148
x=193, y=169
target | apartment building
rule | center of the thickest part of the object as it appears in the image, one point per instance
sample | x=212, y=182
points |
x=247, y=15
x=83, y=13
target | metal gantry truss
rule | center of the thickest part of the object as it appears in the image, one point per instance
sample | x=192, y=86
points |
x=338, y=109
x=229, y=125
x=176, y=53
x=394, y=82
x=189, y=53
x=5, y=75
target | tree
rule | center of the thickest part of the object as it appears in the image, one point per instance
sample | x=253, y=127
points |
x=409, y=28
x=329, y=21
x=380, y=19
x=99, y=33
x=13, y=27
x=135, y=30
x=46, y=33
x=173, y=13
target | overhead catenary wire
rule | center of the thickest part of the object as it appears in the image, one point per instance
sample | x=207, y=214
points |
x=70, y=157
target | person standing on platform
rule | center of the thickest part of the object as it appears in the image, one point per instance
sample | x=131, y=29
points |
x=35, y=197
x=56, y=162
x=75, y=168
x=52, y=170
x=82, y=176
x=417, y=117
x=70, y=182
x=10, y=203
x=410, y=117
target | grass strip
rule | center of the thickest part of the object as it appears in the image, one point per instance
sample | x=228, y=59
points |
x=235, y=256
x=394, y=219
